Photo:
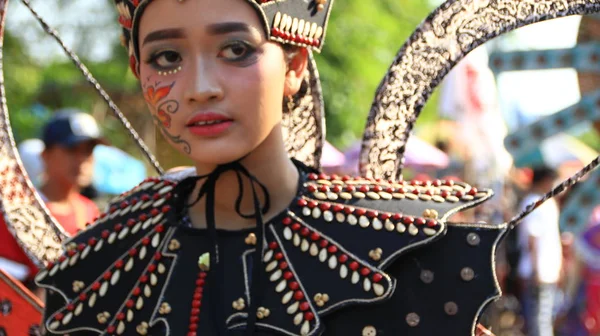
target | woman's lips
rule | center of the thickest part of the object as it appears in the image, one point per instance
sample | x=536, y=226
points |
x=209, y=124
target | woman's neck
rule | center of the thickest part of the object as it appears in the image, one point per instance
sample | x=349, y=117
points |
x=271, y=166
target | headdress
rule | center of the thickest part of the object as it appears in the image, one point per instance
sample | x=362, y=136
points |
x=294, y=22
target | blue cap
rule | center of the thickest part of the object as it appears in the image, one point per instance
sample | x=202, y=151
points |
x=69, y=128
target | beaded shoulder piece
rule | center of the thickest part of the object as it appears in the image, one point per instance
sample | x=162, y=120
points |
x=113, y=277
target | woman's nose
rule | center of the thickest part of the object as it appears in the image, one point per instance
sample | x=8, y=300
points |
x=204, y=84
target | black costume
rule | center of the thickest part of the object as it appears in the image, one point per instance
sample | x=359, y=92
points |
x=348, y=255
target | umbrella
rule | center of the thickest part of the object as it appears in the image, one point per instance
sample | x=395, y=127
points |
x=556, y=151
x=116, y=171
x=418, y=154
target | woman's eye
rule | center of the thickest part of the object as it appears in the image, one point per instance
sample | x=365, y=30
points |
x=165, y=60
x=235, y=51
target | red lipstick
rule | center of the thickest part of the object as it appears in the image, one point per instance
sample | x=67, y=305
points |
x=208, y=124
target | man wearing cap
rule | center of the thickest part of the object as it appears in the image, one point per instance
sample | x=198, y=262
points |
x=69, y=139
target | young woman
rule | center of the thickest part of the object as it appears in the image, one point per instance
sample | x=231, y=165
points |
x=250, y=241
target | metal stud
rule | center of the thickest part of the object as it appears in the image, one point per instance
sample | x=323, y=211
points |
x=427, y=276
x=467, y=274
x=451, y=308
x=369, y=331
x=473, y=239
x=412, y=319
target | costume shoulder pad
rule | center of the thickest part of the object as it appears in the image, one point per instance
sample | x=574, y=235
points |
x=114, y=268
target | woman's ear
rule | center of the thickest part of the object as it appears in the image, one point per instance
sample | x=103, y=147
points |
x=297, y=66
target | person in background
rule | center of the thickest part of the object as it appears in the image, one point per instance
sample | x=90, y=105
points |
x=541, y=254
x=69, y=138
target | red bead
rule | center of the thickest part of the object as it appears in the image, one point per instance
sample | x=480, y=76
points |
x=302, y=202
x=376, y=188
x=377, y=277
x=350, y=188
x=325, y=206
x=288, y=275
x=437, y=183
x=389, y=190
x=154, y=212
x=336, y=189
x=273, y=245
x=343, y=258
x=372, y=214
x=143, y=217
x=49, y=265
x=353, y=265
x=110, y=329
x=401, y=190
x=312, y=176
x=71, y=253
x=431, y=223
x=293, y=285
x=200, y=282
x=118, y=227
x=315, y=236
x=155, y=197
x=296, y=226
x=323, y=188
x=95, y=286
x=415, y=191
x=166, y=209
x=287, y=221
x=113, y=209
x=202, y=275
x=360, y=212
x=82, y=297
x=62, y=258
x=92, y=241
x=151, y=268
x=309, y=316
x=458, y=194
x=279, y=256
x=444, y=194
x=305, y=232
x=129, y=304
x=159, y=228
x=304, y=306
x=146, y=241
x=124, y=204
x=81, y=247
x=473, y=191
x=397, y=217
x=365, y=271
x=363, y=188
x=157, y=256
x=283, y=265
x=120, y=316
x=133, y=252
x=334, y=177
x=312, y=188
x=449, y=183
x=407, y=220
x=196, y=303
x=384, y=216
x=312, y=204
x=298, y=295
x=131, y=222
x=195, y=311
x=323, y=243
x=348, y=210
x=137, y=291
x=197, y=296
x=70, y=307
x=332, y=249
x=105, y=234
x=193, y=327
x=420, y=221
x=323, y=176
x=119, y=264
x=134, y=201
x=346, y=178
x=194, y=319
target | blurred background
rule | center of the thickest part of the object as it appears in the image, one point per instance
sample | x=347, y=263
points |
x=526, y=99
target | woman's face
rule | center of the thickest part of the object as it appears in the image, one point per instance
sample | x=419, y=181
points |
x=212, y=81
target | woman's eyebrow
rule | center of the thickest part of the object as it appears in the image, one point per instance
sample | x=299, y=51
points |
x=228, y=27
x=164, y=34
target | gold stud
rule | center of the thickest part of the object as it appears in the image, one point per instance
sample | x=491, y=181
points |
x=164, y=309
x=77, y=286
x=174, y=245
x=467, y=274
x=250, y=239
x=142, y=328
x=369, y=331
x=239, y=304
x=103, y=317
x=473, y=239
x=204, y=262
x=376, y=254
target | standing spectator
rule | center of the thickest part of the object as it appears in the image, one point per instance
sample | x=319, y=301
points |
x=541, y=256
x=69, y=139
